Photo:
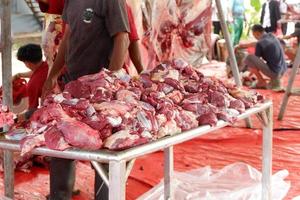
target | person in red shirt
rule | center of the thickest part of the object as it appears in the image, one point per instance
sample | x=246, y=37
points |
x=56, y=7
x=31, y=55
x=52, y=6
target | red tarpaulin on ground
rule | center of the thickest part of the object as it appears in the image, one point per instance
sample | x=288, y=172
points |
x=223, y=147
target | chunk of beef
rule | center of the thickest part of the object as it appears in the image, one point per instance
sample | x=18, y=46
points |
x=186, y=120
x=127, y=96
x=237, y=105
x=113, y=108
x=176, y=96
x=77, y=89
x=49, y=113
x=54, y=140
x=209, y=118
x=30, y=142
x=123, y=140
x=80, y=135
x=218, y=99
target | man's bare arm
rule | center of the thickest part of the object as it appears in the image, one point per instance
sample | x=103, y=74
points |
x=135, y=55
x=246, y=45
x=121, y=43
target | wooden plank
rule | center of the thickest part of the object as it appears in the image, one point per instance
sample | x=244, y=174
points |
x=289, y=88
x=233, y=63
x=267, y=156
x=168, y=173
x=6, y=53
x=117, y=180
x=7, y=88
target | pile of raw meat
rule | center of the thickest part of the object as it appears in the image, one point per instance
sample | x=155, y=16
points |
x=6, y=117
x=114, y=111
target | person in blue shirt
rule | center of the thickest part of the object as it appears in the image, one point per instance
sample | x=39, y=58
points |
x=238, y=15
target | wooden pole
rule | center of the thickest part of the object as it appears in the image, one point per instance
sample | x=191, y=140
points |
x=229, y=46
x=7, y=89
x=233, y=63
x=288, y=91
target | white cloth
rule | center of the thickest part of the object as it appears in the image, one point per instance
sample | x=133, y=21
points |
x=225, y=8
x=267, y=18
x=283, y=7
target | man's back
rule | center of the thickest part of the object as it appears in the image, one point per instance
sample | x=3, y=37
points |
x=269, y=48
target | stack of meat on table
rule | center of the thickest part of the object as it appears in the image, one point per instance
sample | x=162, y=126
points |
x=6, y=117
x=115, y=111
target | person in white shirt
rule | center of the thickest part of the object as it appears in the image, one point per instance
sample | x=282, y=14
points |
x=270, y=15
x=283, y=11
x=215, y=15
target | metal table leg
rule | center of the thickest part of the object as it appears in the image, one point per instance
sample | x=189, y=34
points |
x=168, y=173
x=129, y=167
x=101, y=171
x=117, y=180
x=289, y=88
x=267, y=156
x=104, y=173
x=8, y=174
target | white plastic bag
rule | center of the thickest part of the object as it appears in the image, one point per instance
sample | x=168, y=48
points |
x=237, y=181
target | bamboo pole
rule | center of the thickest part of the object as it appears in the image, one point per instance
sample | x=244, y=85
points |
x=7, y=88
x=233, y=63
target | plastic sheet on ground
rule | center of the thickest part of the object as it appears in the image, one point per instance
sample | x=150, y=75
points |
x=236, y=181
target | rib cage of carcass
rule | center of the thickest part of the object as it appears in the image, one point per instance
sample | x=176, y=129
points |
x=181, y=29
x=114, y=111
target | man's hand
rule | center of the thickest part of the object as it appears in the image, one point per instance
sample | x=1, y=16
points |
x=48, y=87
x=21, y=117
x=121, y=44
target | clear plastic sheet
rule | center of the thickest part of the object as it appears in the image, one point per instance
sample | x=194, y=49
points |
x=235, y=182
x=176, y=29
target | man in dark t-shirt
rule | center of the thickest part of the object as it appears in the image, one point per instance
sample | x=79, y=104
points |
x=56, y=7
x=96, y=36
x=269, y=59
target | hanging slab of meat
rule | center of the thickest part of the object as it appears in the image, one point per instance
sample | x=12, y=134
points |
x=80, y=135
x=181, y=30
